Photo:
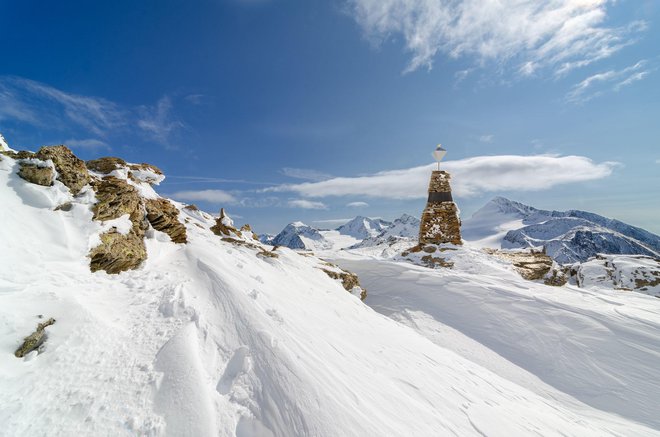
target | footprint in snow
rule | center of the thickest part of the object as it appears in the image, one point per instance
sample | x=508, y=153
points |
x=275, y=316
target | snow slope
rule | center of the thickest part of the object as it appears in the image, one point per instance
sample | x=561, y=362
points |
x=597, y=347
x=208, y=339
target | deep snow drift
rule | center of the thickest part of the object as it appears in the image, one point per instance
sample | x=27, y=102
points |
x=210, y=339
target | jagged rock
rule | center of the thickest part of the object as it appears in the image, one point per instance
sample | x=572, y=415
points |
x=34, y=340
x=224, y=225
x=22, y=154
x=191, y=207
x=349, y=280
x=115, y=198
x=164, y=217
x=66, y=206
x=36, y=173
x=247, y=228
x=146, y=173
x=118, y=252
x=533, y=266
x=106, y=164
x=71, y=170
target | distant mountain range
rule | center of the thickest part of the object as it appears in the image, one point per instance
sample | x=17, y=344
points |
x=567, y=236
x=363, y=227
x=360, y=232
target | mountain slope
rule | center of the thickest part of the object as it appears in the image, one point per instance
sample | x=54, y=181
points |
x=363, y=227
x=298, y=235
x=212, y=337
x=568, y=236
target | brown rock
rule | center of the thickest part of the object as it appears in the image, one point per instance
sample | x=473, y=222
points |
x=115, y=197
x=164, y=217
x=36, y=174
x=71, y=170
x=348, y=279
x=34, y=340
x=221, y=228
x=106, y=164
x=118, y=252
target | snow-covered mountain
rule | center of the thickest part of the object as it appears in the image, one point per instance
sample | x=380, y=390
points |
x=567, y=236
x=363, y=227
x=202, y=330
x=298, y=235
x=404, y=229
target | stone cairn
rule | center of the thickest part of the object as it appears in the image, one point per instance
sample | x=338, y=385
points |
x=440, y=222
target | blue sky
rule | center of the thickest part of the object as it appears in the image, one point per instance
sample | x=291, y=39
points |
x=321, y=110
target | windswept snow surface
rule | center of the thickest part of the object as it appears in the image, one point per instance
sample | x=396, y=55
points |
x=207, y=339
x=598, y=347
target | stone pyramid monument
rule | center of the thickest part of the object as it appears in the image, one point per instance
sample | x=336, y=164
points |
x=440, y=222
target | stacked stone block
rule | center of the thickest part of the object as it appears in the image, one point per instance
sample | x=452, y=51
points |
x=440, y=223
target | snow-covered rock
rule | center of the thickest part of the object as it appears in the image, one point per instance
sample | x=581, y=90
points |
x=619, y=272
x=567, y=236
x=363, y=227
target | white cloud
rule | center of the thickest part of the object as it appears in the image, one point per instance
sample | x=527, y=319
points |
x=306, y=204
x=157, y=121
x=357, y=204
x=213, y=196
x=41, y=105
x=595, y=85
x=470, y=177
x=561, y=34
x=89, y=143
x=305, y=173
x=488, y=138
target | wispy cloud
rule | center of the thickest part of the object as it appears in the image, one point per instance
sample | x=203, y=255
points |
x=611, y=80
x=41, y=105
x=486, y=138
x=88, y=143
x=305, y=173
x=157, y=121
x=560, y=35
x=212, y=196
x=357, y=204
x=471, y=177
x=306, y=204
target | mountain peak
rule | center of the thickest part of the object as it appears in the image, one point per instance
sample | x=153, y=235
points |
x=363, y=227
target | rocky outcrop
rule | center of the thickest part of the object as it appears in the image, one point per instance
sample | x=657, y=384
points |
x=118, y=252
x=248, y=229
x=115, y=198
x=34, y=340
x=36, y=172
x=440, y=223
x=533, y=266
x=71, y=170
x=224, y=225
x=105, y=165
x=164, y=217
x=349, y=280
x=431, y=260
